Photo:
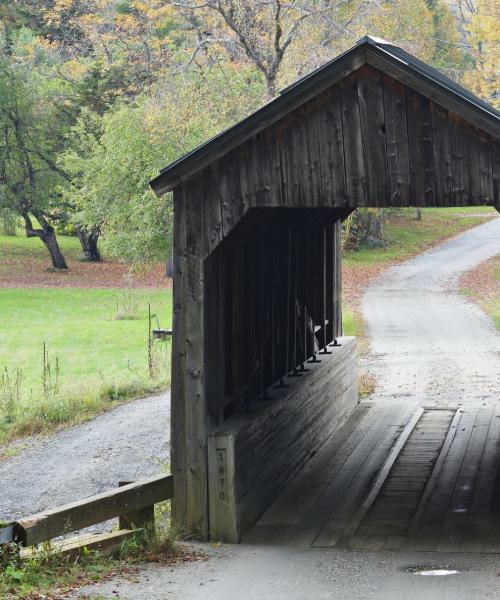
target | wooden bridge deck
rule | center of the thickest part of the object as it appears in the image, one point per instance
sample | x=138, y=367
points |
x=396, y=476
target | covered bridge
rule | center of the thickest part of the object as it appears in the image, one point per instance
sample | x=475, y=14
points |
x=261, y=375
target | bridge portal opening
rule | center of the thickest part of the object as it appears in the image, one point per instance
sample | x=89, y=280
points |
x=280, y=377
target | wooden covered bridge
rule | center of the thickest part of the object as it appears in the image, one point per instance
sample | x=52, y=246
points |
x=262, y=376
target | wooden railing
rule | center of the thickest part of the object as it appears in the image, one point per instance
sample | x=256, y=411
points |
x=133, y=503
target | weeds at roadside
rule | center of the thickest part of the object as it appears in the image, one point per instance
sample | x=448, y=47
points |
x=50, y=375
x=49, y=574
x=366, y=386
x=10, y=392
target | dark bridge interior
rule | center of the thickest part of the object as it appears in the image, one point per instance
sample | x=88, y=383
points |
x=273, y=293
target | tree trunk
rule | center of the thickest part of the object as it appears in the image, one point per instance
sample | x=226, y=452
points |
x=50, y=240
x=48, y=236
x=88, y=241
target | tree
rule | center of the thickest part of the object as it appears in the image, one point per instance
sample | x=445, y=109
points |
x=113, y=157
x=264, y=33
x=482, y=24
x=29, y=176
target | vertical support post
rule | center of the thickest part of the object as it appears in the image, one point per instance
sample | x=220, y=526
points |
x=178, y=438
x=188, y=413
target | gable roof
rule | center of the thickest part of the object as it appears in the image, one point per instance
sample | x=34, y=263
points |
x=368, y=50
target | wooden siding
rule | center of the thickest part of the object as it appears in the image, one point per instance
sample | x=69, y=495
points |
x=369, y=140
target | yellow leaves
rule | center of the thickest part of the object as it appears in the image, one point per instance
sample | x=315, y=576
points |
x=75, y=69
x=59, y=9
x=484, y=36
x=126, y=22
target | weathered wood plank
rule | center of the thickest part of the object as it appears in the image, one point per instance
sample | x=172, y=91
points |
x=212, y=231
x=178, y=414
x=96, y=509
x=441, y=140
x=495, y=157
x=421, y=149
x=485, y=168
x=396, y=126
x=459, y=162
x=273, y=427
x=353, y=142
x=373, y=131
x=195, y=406
x=72, y=548
x=331, y=145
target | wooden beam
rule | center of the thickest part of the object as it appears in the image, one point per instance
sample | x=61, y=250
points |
x=96, y=509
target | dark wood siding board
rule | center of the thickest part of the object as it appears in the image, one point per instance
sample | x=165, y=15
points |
x=353, y=143
x=276, y=190
x=245, y=163
x=196, y=424
x=495, y=152
x=459, y=161
x=473, y=163
x=178, y=392
x=421, y=149
x=324, y=277
x=285, y=168
x=441, y=137
x=303, y=160
x=230, y=193
x=330, y=278
x=300, y=174
x=263, y=144
x=212, y=220
x=396, y=126
x=331, y=142
x=311, y=154
x=213, y=395
x=338, y=277
x=485, y=168
x=372, y=119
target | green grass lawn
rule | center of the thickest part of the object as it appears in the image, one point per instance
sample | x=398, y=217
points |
x=80, y=328
x=100, y=357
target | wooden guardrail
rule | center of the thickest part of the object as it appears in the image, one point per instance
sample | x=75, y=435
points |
x=133, y=503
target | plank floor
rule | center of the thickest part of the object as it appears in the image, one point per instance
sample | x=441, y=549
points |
x=396, y=476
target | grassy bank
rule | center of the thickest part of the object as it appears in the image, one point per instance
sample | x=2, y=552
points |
x=482, y=284
x=96, y=353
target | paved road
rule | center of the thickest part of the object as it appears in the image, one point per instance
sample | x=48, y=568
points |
x=431, y=346
x=127, y=443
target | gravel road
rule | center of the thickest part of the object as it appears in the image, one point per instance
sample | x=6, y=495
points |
x=127, y=443
x=428, y=342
